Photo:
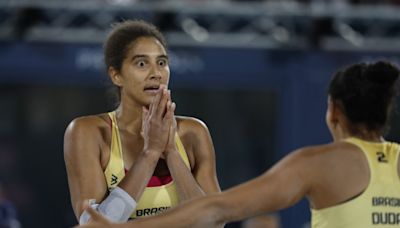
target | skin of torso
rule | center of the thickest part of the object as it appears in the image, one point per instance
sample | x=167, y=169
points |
x=96, y=130
x=132, y=144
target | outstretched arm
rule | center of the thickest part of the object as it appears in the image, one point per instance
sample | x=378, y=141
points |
x=280, y=187
x=206, y=218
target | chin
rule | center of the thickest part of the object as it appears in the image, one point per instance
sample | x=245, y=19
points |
x=146, y=103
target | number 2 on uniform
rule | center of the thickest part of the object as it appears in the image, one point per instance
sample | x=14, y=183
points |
x=381, y=157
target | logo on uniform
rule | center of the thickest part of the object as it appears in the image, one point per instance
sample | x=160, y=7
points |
x=114, y=179
x=381, y=157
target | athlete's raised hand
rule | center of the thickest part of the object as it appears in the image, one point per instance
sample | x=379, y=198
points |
x=171, y=146
x=156, y=121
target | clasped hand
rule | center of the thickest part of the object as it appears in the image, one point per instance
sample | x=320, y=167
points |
x=159, y=124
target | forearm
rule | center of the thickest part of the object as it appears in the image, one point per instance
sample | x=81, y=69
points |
x=186, y=184
x=264, y=194
x=201, y=212
x=122, y=200
x=137, y=178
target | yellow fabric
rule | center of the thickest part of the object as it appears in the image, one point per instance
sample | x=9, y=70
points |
x=153, y=199
x=379, y=204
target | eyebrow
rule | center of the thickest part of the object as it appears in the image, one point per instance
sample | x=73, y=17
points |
x=145, y=56
x=162, y=56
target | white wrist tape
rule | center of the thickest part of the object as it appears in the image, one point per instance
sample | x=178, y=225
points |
x=117, y=207
x=85, y=216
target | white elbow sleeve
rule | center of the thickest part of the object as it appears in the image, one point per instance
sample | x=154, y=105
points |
x=117, y=207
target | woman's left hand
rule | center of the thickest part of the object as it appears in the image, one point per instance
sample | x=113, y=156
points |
x=171, y=145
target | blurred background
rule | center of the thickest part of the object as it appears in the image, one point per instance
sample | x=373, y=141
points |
x=255, y=71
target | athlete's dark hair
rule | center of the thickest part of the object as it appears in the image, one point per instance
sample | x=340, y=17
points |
x=366, y=91
x=122, y=36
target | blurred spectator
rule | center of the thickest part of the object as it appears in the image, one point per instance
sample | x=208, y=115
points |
x=8, y=215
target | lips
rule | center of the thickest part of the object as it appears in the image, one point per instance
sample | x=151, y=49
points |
x=152, y=87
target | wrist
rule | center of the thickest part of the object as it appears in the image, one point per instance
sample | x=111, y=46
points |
x=150, y=155
x=171, y=154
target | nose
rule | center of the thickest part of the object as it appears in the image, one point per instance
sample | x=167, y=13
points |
x=155, y=73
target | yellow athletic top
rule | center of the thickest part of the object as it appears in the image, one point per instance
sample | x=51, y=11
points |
x=154, y=199
x=379, y=204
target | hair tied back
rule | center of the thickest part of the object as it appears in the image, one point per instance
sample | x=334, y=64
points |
x=383, y=73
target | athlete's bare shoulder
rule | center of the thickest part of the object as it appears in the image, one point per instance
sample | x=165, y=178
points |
x=92, y=127
x=336, y=171
x=318, y=159
x=329, y=150
x=89, y=123
x=190, y=125
x=196, y=138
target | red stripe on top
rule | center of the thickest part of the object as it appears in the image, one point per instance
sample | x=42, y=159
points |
x=156, y=181
x=159, y=181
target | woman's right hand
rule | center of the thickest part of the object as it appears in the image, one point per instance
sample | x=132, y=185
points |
x=157, y=120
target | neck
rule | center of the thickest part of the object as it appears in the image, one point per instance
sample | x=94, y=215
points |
x=364, y=134
x=129, y=116
x=368, y=136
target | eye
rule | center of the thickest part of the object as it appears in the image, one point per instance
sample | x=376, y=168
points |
x=141, y=63
x=162, y=62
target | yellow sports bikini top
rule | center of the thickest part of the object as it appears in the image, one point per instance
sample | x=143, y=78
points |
x=159, y=195
x=379, y=204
